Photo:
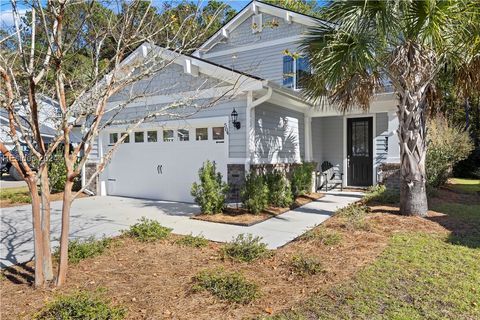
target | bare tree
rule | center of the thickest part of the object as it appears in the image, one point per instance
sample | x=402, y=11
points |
x=122, y=52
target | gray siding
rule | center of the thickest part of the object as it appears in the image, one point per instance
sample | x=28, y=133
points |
x=327, y=140
x=266, y=62
x=243, y=35
x=381, y=133
x=279, y=134
x=170, y=80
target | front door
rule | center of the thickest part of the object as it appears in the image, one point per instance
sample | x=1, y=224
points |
x=359, y=152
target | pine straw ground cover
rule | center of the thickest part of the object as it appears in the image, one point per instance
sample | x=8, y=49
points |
x=155, y=280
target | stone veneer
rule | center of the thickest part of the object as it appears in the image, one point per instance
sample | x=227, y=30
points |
x=90, y=169
x=235, y=179
x=389, y=175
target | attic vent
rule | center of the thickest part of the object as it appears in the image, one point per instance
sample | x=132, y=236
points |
x=257, y=25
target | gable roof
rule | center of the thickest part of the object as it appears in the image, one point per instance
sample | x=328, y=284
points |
x=255, y=7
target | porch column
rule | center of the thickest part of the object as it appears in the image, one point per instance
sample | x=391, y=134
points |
x=308, y=138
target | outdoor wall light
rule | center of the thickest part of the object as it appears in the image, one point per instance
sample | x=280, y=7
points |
x=234, y=116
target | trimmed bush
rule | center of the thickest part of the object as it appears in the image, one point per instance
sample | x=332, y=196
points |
x=301, y=179
x=80, y=305
x=255, y=193
x=379, y=193
x=245, y=248
x=210, y=194
x=80, y=250
x=148, y=230
x=192, y=241
x=306, y=265
x=323, y=236
x=279, y=192
x=354, y=216
x=232, y=287
x=447, y=145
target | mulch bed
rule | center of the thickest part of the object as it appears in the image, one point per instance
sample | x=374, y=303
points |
x=6, y=203
x=154, y=280
x=241, y=217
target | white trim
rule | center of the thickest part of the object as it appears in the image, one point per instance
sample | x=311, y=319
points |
x=308, y=138
x=374, y=153
x=255, y=8
x=172, y=124
x=255, y=46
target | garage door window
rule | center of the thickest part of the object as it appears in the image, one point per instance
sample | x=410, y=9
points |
x=152, y=136
x=139, y=136
x=183, y=135
x=113, y=138
x=127, y=139
x=167, y=135
x=218, y=133
x=201, y=133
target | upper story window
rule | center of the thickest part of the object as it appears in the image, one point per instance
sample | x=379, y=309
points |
x=294, y=69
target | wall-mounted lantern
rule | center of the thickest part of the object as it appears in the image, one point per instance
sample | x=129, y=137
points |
x=235, y=121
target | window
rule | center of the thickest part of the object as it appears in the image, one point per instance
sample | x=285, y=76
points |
x=218, y=133
x=201, y=133
x=183, y=134
x=127, y=139
x=294, y=70
x=139, y=136
x=113, y=138
x=151, y=136
x=167, y=135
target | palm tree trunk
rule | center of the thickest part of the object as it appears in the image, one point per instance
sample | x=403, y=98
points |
x=413, y=150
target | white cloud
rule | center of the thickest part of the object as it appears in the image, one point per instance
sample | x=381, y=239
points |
x=6, y=17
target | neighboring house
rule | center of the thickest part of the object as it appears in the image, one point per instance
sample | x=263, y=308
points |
x=277, y=125
x=48, y=114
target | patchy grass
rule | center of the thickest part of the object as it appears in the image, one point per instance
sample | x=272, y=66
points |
x=354, y=216
x=148, y=230
x=245, y=248
x=193, y=241
x=464, y=185
x=229, y=286
x=15, y=195
x=81, y=305
x=380, y=194
x=80, y=250
x=419, y=276
x=303, y=265
x=323, y=236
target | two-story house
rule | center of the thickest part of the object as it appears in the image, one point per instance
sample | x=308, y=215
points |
x=265, y=121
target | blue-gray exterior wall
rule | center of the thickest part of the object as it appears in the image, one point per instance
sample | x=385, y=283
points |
x=327, y=140
x=381, y=143
x=279, y=134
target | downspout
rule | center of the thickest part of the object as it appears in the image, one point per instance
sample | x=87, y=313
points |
x=250, y=122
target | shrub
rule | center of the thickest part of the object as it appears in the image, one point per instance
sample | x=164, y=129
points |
x=379, y=193
x=280, y=194
x=302, y=178
x=447, y=145
x=306, y=265
x=57, y=173
x=245, y=248
x=80, y=250
x=148, y=230
x=323, y=236
x=354, y=216
x=255, y=193
x=233, y=287
x=80, y=305
x=193, y=241
x=211, y=193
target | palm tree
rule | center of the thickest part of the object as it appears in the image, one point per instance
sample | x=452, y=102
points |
x=404, y=44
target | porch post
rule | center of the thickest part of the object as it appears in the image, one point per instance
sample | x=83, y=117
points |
x=308, y=137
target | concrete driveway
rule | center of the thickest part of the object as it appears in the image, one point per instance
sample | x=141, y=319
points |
x=107, y=216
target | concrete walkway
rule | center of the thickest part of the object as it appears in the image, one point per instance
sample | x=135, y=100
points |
x=107, y=216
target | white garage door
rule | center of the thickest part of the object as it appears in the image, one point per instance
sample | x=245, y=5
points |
x=163, y=163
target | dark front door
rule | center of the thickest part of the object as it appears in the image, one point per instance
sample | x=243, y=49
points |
x=359, y=152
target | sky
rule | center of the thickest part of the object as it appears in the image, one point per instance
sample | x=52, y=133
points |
x=6, y=18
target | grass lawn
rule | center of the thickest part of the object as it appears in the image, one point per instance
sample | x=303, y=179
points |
x=11, y=196
x=386, y=267
x=464, y=185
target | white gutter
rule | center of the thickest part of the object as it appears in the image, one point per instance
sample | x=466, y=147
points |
x=250, y=123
